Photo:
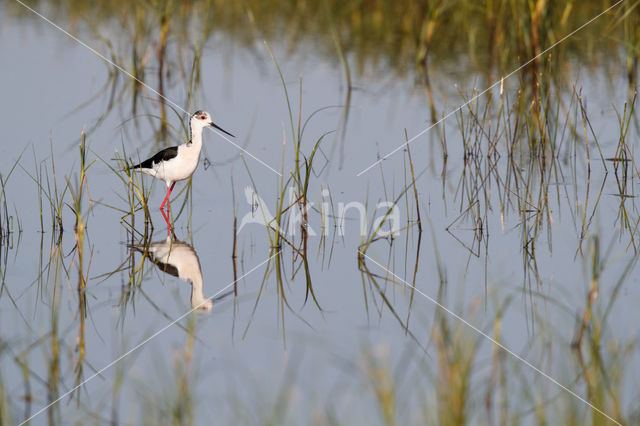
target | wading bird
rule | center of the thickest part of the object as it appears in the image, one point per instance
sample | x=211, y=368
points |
x=178, y=162
x=180, y=260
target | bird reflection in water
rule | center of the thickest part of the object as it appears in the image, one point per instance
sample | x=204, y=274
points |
x=181, y=260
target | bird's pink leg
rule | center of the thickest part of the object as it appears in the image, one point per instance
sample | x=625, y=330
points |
x=168, y=222
x=168, y=202
x=170, y=231
x=166, y=217
x=166, y=199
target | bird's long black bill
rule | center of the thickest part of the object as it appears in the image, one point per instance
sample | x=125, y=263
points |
x=221, y=129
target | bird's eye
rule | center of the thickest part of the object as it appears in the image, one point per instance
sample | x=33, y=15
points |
x=202, y=117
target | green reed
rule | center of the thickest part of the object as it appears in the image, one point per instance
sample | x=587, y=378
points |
x=5, y=407
x=9, y=224
x=298, y=179
x=137, y=194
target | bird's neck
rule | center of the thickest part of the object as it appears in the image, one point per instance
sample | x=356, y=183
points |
x=195, y=138
x=197, y=297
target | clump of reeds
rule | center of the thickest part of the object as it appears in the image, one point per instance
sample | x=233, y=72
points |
x=377, y=369
x=170, y=396
x=9, y=223
x=403, y=35
x=137, y=196
x=5, y=407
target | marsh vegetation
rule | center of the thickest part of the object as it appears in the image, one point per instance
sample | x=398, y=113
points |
x=407, y=230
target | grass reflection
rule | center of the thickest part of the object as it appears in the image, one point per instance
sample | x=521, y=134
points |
x=401, y=34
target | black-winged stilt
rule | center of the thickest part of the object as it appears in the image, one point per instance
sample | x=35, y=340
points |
x=178, y=162
x=179, y=259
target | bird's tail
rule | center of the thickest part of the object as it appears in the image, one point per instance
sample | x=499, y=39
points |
x=127, y=163
x=135, y=166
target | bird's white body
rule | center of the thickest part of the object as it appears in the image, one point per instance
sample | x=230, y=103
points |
x=184, y=259
x=180, y=167
x=183, y=165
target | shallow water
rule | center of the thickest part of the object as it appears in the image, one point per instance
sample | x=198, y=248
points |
x=350, y=357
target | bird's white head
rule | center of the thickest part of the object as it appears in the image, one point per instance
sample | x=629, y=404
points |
x=201, y=119
x=203, y=306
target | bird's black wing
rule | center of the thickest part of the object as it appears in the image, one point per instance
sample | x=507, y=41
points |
x=164, y=155
x=167, y=268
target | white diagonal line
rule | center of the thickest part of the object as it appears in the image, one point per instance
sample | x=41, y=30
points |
x=104, y=58
x=246, y=152
x=494, y=341
x=500, y=81
x=139, y=345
